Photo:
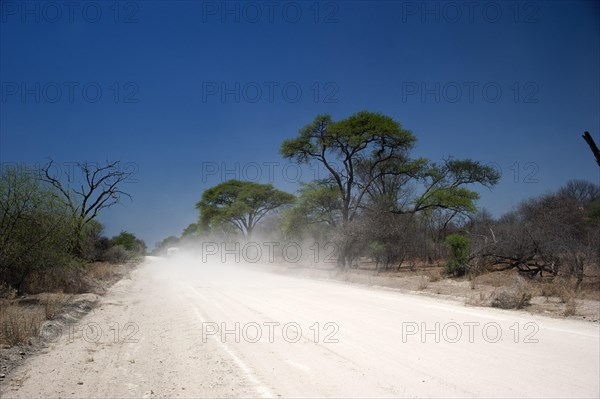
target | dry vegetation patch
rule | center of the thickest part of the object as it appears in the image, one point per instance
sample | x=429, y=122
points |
x=22, y=318
x=27, y=322
x=507, y=289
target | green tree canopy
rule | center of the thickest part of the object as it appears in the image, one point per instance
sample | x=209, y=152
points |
x=367, y=156
x=368, y=159
x=130, y=242
x=317, y=209
x=372, y=140
x=192, y=230
x=445, y=185
x=126, y=240
x=240, y=203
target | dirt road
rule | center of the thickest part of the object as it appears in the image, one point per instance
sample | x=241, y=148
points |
x=179, y=328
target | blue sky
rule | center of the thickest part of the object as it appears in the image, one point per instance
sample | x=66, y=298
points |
x=189, y=93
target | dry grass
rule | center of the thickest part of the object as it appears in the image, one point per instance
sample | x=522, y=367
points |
x=17, y=325
x=481, y=299
x=21, y=319
x=434, y=275
x=562, y=288
x=75, y=279
x=106, y=274
x=423, y=283
x=472, y=283
x=52, y=304
x=571, y=307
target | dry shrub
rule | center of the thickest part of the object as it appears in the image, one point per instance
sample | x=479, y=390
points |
x=480, y=299
x=434, y=275
x=22, y=319
x=71, y=279
x=497, y=279
x=472, y=283
x=562, y=288
x=16, y=325
x=101, y=271
x=79, y=279
x=52, y=304
x=516, y=297
x=423, y=283
x=507, y=298
x=570, y=307
x=117, y=254
x=107, y=272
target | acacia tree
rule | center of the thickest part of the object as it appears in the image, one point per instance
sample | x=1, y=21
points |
x=367, y=154
x=316, y=211
x=445, y=186
x=374, y=140
x=240, y=203
x=86, y=189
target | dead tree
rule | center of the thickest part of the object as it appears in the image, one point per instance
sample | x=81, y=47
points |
x=97, y=188
x=588, y=138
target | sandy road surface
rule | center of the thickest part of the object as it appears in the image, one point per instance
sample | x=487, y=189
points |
x=171, y=331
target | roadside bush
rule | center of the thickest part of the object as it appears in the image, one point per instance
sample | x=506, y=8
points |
x=93, y=243
x=510, y=298
x=117, y=254
x=36, y=229
x=434, y=275
x=20, y=320
x=459, y=255
x=377, y=252
x=68, y=277
x=128, y=241
x=516, y=297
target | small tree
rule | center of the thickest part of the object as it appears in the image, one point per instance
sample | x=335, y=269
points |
x=241, y=204
x=130, y=242
x=457, y=265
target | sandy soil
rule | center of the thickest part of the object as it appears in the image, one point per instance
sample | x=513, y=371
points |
x=179, y=328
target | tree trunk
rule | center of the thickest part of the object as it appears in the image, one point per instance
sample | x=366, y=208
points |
x=578, y=272
x=343, y=258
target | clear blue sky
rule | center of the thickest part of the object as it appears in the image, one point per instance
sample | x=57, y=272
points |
x=186, y=87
